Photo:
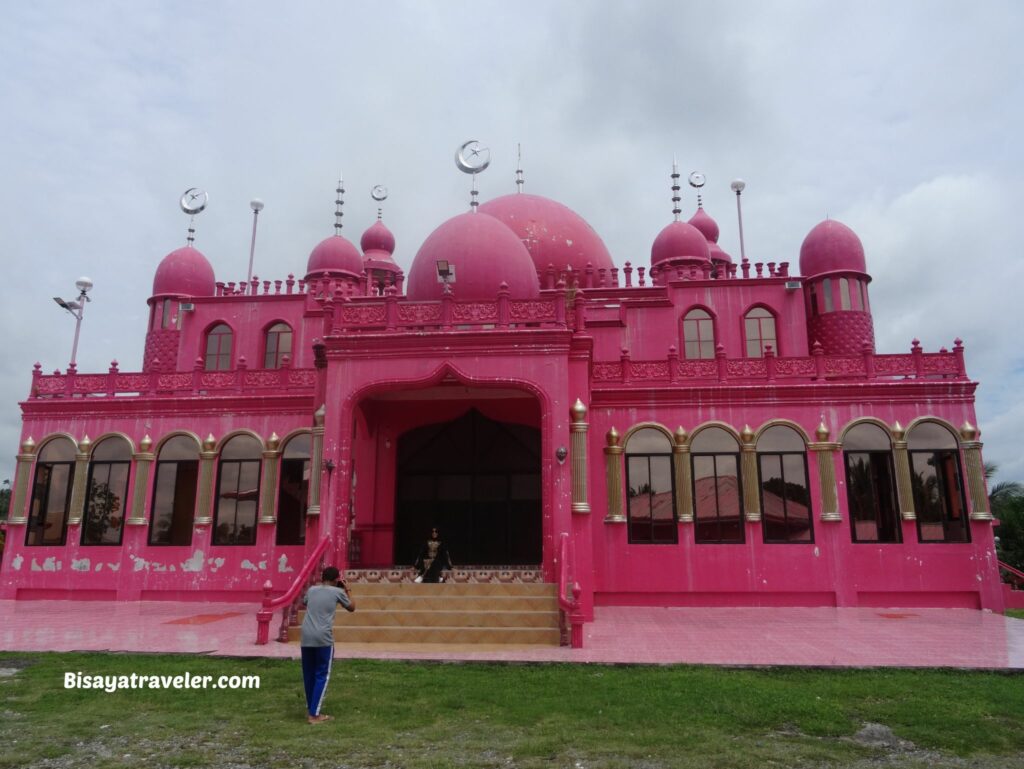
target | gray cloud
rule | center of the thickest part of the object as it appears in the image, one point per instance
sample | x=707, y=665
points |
x=900, y=119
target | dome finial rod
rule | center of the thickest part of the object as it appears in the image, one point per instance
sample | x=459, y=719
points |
x=338, y=203
x=519, y=167
x=192, y=202
x=379, y=193
x=472, y=158
x=675, y=189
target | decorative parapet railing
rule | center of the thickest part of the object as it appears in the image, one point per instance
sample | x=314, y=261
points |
x=817, y=366
x=591, y=277
x=117, y=383
x=395, y=313
x=288, y=602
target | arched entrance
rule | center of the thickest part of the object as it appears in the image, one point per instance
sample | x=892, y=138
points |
x=479, y=481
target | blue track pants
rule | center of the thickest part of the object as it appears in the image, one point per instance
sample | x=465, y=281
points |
x=316, y=671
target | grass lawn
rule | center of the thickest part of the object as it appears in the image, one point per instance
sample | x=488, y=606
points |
x=394, y=714
x=1018, y=613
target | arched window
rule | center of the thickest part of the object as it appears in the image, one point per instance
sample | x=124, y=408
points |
x=293, y=493
x=759, y=327
x=51, y=493
x=651, y=488
x=106, y=492
x=698, y=335
x=174, y=492
x=717, y=492
x=938, y=489
x=785, y=488
x=870, y=487
x=844, y=294
x=279, y=344
x=218, y=348
x=238, y=489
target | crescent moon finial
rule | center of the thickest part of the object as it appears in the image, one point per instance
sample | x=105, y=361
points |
x=471, y=158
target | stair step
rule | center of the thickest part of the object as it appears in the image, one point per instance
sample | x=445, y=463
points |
x=456, y=602
x=445, y=618
x=453, y=588
x=440, y=635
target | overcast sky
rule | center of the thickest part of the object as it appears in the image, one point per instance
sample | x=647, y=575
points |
x=902, y=120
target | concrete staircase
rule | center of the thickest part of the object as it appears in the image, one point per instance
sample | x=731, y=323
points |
x=451, y=613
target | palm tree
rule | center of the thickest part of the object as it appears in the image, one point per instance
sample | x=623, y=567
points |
x=1001, y=495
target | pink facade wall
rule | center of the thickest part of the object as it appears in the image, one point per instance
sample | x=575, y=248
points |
x=368, y=358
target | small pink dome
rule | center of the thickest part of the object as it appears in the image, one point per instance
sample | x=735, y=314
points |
x=679, y=241
x=829, y=247
x=717, y=254
x=552, y=233
x=185, y=272
x=378, y=238
x=484, y=252
x=335, y=255
x=708, y=226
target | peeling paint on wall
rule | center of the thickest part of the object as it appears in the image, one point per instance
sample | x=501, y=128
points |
x=248, y=565
x=195, y=563
x=282, y=565
x=140, y=564
x=18, y=560
x=52, y=564
x=113, y=566
x=216, y=563
x=99, y=566
x=80, y=564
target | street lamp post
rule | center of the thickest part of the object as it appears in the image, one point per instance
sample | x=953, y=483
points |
x=77, y=308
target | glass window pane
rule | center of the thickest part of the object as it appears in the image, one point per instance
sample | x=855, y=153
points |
x=930, y=435
x=866, y=437
x=242, y=447
x=299, y=447
x=648, y=440
x=780, y=438
x=639, y=493
x=112, y=450
x=714, y=440
x=179, y=447
x=826, y=288
x=57, y=450
x=844, y=293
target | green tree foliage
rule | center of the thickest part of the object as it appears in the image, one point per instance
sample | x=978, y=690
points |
x=1006, y=499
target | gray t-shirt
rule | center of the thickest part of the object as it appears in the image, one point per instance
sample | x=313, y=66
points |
x=321, y=603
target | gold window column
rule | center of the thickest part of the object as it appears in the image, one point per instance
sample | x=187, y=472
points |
x=316, y=462
x=613, y=472
x=975, y=473
x=578, y=429
x=268, y=483
x=748, y=455
x=204, y=508
x=144, y=459
x=824, y=454
x=683, y=471
x=80, y=480
x=901, y=458
x=22, y=475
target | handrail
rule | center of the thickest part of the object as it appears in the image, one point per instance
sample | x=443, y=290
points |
x=569, y=608
x=1019, y=575
x=286, y=599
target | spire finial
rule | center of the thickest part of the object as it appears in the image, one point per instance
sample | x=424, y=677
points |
x=192, y=202
x=472, y=158
x=338, y=203
x=380, y=194
x=519, y=167
x=675, y=189
x=697, y=180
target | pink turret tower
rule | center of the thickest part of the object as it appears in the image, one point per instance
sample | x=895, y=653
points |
x=836, y=290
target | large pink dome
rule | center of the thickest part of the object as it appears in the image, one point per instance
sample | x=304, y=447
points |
x=185, y=272
x=484, y=252
x=552, y=233
x=335, y=255
x=831, y=246
x=680, y=241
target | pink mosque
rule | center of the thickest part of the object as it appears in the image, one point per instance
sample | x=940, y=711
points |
x=695, y=431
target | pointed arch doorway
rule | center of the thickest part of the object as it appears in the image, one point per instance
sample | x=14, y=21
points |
x=477, y=479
